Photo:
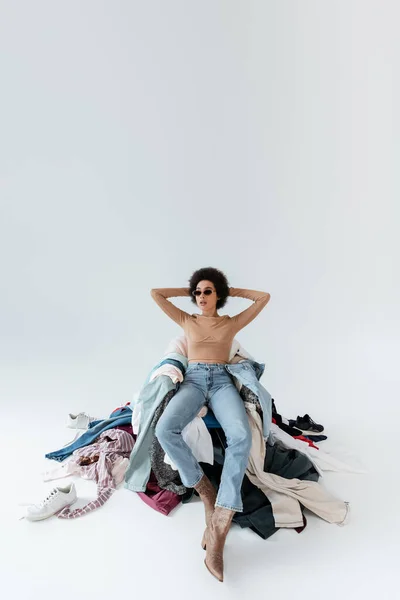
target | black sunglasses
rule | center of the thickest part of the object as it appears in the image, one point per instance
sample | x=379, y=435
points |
x=199, y=292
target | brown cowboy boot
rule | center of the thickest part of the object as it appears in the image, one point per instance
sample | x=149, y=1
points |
x=215, y=540
x=208, y=495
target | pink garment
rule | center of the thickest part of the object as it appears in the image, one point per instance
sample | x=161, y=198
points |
x=108, y=449
x=167, y=369
x=72, y=468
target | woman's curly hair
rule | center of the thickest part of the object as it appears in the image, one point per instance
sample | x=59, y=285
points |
x=219, y=280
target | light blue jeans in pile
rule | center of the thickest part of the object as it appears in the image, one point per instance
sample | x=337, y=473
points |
x=208, y=384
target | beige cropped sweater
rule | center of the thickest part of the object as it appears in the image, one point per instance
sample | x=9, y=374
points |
x=210, y=338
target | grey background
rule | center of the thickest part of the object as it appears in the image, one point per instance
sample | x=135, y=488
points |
x=140, y=141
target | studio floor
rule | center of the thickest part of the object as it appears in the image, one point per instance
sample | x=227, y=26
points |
x=126, y=549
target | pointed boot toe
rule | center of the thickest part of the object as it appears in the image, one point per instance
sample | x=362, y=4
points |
x=204, y=540
x=216, y=568
x=215, y=536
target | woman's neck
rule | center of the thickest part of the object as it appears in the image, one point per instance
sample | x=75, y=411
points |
x=208, y=314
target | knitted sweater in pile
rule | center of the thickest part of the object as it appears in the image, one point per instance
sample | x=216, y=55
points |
x=210, y=338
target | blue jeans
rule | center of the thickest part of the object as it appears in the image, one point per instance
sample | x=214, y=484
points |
x=208, y=384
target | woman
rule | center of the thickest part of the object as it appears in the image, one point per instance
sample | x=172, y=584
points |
x=206, y=381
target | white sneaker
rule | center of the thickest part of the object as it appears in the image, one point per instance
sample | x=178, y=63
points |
x=58, y=499
x=79, y=421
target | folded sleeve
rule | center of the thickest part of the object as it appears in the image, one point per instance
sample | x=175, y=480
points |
x=160, y=295
x=260, y=299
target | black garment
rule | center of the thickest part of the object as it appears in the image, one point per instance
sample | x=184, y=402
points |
x=316, y=438
x=257, y=510
x=290, y=430
x=289, y=463
x=278, y=420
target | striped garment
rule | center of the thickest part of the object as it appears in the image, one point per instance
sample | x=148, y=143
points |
x=96, y=462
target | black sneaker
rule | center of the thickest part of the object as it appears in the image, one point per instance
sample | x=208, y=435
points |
x=307, y=424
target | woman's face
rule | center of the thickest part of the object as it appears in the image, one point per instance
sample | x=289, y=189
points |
x=204, y=301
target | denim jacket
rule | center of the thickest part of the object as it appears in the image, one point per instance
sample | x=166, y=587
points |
x=246, y=372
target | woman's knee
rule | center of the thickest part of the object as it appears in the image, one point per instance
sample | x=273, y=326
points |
x=163, y=428
x=168, y=424
x=240, y=435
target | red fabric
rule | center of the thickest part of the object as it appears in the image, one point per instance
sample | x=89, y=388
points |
x=162, y=501
x=304, y=439
x=127, y=428
x=119, y=407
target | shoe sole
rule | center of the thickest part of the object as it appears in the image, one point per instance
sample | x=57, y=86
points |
x=203, y=541
x=310, y=432
x=213, y=574
x=48, y=516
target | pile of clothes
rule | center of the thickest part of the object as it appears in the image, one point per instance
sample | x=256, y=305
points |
x=282, y=475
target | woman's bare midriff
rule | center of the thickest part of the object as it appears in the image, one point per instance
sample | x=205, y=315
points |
x=220, y=362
